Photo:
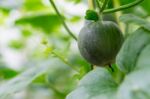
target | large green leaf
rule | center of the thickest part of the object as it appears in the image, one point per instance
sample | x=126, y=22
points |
x=136, y=85
x=130, y=18
x=132, y=47
x=134, y=58
x=98, y=84
x=22, y=81
x=46, y=22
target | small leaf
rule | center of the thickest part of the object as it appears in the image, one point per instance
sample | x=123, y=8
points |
x=91, y=15
x=33, y=5
x=130, y=18
x=17, y=44
x=132, y=47
x=7, y=73
x=98, y=84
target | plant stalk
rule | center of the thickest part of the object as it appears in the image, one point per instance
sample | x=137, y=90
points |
x=104, y=5
x=116, y=3
x=91, y=4
x=62, y=20
x=123, y=7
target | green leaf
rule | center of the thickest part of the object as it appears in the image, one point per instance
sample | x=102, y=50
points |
x=91, y=15
x=131, y=49
x=47, y=22
x=144, y=5
x=143, y=61
x=98, y=84
x=33, y=5
x=75, y=1
x=136, y=85
x=17, y=44
x=130, y=18
x=6, y=72
x=21, y=81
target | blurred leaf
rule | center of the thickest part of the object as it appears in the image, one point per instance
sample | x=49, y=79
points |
x=75, y=18
x=79, y=62
x=17, y=44
x=61, y=75
x=98, y=84
x=75, y=1
x=33, y=5
x=144, y=4
x=21, y=81
x=26, y=33
x=130, y=18
x=139, y=11
x=131, y=49
x=47, y=22
x=7, y=73
x=40, y=79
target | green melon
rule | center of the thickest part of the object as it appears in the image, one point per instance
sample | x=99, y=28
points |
x=99, y=42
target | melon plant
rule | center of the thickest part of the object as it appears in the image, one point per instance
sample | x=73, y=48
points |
x=112, y=58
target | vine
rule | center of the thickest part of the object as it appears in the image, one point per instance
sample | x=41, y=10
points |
x=123, y=7
x=62, y=20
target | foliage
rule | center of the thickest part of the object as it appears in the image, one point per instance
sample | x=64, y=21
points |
x=41, y=42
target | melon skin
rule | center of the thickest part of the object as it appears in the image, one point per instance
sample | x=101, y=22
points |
x=99, y=42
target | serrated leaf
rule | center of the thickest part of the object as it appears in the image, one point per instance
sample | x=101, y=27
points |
x=47, y=22
x=98, y=84
x=130, y=18
x=132, y=47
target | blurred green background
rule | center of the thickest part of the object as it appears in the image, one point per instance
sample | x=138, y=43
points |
x=30, y=31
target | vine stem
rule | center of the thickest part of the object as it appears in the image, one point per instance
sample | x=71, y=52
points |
x=98, y=4
x=104, y=5
x=116, y=4
x=62, y=20
x=91, y=4
x=123, y=7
